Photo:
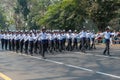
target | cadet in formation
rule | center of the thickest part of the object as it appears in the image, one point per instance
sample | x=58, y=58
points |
x=44, y=41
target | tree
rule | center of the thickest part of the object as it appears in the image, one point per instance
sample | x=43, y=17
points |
x=7, y=11
x=2, y=20
x=102, y=11
x=21, y=13
x=37, y=9
x=66, y=14
x=60, y=14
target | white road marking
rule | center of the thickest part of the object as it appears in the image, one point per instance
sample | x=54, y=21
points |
x=108, y=74
x=53, y=61
x=76, y=67
x=99, y=55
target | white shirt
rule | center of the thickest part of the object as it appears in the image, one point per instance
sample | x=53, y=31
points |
x=26, y=37
x=2, y=36
x=17, y=37
x=92, y=35
x=43, y=36
x=88, y=35
x=31, y=38
x=68, y=36
x=63, y=35
x=13, y=36
x=107, y=35
x=82, y=34
x=54, y=36
x=60, y=36
x=35, y=37
x=9, y=36
x=6, y=36
x=51, y=37
x=22, y=36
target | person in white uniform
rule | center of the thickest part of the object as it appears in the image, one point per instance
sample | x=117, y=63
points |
x=107, y=36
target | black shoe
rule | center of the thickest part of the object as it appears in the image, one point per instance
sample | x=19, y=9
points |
x=31, y=54
x=104, y=54
x=83, y=51
x=44, y=57
x=109, y=55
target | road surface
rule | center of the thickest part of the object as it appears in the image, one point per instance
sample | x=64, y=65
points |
x=74, y=65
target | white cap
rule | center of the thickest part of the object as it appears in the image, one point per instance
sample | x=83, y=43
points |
x=69, y=31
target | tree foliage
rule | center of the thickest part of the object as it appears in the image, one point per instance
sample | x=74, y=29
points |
x=70, y=14
x=64, y=14
x=102, y=11
x=2, y=20
x=22, y=7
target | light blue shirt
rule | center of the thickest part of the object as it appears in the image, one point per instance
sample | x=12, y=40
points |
x=107, y=35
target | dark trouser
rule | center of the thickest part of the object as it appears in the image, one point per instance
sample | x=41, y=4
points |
x=35, y=46
x=80, y=46
x=2, y=43
x=6, y=43
x=51, y=45
x=56, y=44
x=88, y=43
x=26, y=46
x=93, y=43
x=60, y=45
x=17, y=45
x=69, y=46
x=40, y=47
x=75, y=46
x=21, y=45
x=10, y=43
x=83, y=41
x=47, y=44
x=31, y=47
x=63, y=43
x=44, y=47
x=107, y=43
x=13, y=44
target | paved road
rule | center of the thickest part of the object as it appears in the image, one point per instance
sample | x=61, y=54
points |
x=62, y=66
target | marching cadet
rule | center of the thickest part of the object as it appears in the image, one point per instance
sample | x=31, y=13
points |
x=93, y=40
x=26, y=37
x=39, y=42
x=17, y=40
x=6, y=40
x=31, y=40
x=51, y=42
x=48, y=41
x=60, y=39
x=43, y=36
x=83, y=39
x=107, y=36
x=22, y=35
x=69, y=40
x=56, y=42
x=51, y=38
x=63, y=40
x=88, y=38
x=9, y=40
x=35, y=42
x=75, y=43
x=2, y=39
x=13, y=41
